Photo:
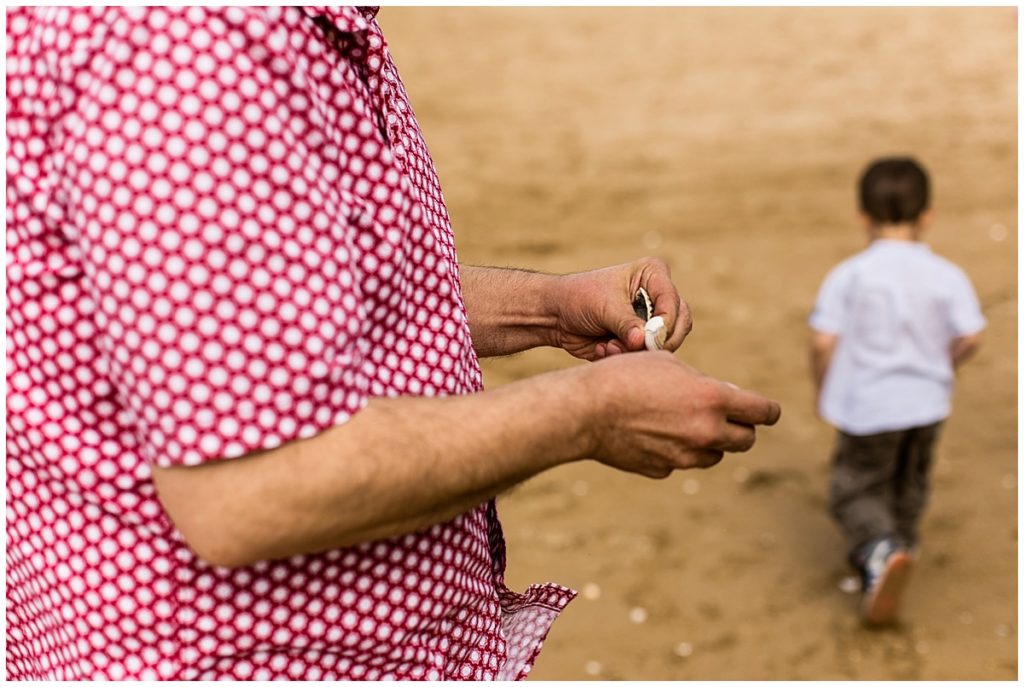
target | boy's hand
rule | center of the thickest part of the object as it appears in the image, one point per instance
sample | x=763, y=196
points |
x=594, y=310
x=964, y=347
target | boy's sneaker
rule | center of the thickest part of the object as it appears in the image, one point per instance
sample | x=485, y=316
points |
x=885, y=570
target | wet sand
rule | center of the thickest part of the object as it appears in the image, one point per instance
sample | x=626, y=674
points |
x=728, y=142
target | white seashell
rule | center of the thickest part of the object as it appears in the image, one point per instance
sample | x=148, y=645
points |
x=642, y=305
x=654, y=327
x=655, y=333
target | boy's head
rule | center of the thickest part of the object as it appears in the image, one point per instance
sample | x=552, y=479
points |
x=894, y=191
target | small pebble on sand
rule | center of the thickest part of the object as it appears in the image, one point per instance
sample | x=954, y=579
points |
x=580, y=488
x=691, y=486
x=966, y=618
x=592, y=668
x=683, y=650
x=741, y=474
x=591, y=591
x=638, y=615
x=1002, y=630
x=849, y=584
x=1009, y=481
x=766, y=540
x=652, y=240
x=997, y=232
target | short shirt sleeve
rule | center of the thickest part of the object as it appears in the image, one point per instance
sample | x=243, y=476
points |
x=829, y=313
x=964, y=309
x=215, y=187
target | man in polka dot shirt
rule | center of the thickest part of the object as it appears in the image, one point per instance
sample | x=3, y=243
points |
x=247, y=436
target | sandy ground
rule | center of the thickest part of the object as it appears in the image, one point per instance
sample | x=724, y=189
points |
x=728, y=141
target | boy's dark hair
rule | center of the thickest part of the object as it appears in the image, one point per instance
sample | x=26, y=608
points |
x=894, y=190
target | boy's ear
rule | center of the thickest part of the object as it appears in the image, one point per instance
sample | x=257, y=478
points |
x=925, y=220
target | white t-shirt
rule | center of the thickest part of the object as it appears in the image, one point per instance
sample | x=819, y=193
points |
x=896, y=308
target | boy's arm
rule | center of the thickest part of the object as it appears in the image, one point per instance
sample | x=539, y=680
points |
x=966, y=319
x=826, y=321
x=964, y=347
x=823, y=345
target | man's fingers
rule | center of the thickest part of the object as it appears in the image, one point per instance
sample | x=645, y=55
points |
x=670, y=306
x=663, y=295
x=630, y=330
x=660, y=472
x=749, y=408
x=615, y=347
x=683, y=325
x=736, y=437
x=709, y=458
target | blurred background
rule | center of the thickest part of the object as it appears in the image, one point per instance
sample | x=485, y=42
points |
x=728, y=141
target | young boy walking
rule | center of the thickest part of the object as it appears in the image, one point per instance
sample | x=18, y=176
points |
x=890, y=326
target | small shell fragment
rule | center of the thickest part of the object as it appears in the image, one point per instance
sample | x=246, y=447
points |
x=849, y=584
x=683, y=650
x=642, y=305
x=654, y=327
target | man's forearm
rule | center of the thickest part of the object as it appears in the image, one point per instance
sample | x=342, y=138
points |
x=365, y=480
x=509, y=310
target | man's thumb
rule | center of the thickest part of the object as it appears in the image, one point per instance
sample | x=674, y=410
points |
x=630, y=331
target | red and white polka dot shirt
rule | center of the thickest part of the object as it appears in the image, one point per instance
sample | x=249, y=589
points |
x=224, y=233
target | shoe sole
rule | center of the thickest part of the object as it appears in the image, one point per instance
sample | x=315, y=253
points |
x=881, y=605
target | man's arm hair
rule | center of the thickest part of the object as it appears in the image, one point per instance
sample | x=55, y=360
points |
x=398, y=465
x=509, y=310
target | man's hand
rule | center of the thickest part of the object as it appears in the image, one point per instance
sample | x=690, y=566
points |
x=594, y=312
x=659, y=415
x=589, y=314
